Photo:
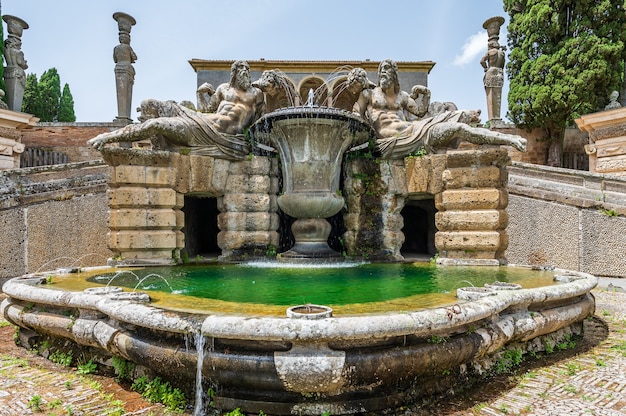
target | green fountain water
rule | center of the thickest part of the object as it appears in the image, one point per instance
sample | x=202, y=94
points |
x=267, y=288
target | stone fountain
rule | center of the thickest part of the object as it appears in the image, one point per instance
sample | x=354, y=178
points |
x=310, y=359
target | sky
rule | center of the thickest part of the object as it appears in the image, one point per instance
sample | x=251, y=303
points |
x=77, y=38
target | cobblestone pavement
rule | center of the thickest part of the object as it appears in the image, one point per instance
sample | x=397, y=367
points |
x=590, y=380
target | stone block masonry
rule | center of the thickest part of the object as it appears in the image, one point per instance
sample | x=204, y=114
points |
x=248, y=218
x=147, y=197
x=148, y=190
x=469, y=190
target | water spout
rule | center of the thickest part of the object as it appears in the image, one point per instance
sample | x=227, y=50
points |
x=200, y=341
x=309, y=101
x=153, y=275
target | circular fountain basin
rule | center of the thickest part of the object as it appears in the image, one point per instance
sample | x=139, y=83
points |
x=354, y=360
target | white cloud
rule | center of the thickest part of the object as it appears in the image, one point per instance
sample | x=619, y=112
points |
x=474, y=46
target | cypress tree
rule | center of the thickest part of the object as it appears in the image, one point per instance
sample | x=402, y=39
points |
x=50, y=95
x=43, y=98
x=566, y=58
x=31, y=103
x=66, y=106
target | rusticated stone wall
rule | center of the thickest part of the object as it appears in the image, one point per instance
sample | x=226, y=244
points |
x=469, y=191
x=469, y=188
x=56, y=216
x=374, y=192
x=248, y=218
x=148, y=188
x=147, y=194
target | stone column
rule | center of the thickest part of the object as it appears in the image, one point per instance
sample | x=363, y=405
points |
x=144, y=207
x=493, y=64
x=124, y=57
x=248, y=219
x=471, y=218
x=14, y=72
x=374, y=194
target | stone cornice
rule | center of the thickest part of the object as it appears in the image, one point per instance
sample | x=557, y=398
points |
x=594, y=121
x=307, y=66
x=16, y=120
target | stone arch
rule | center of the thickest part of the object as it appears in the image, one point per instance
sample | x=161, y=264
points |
x=319, y=87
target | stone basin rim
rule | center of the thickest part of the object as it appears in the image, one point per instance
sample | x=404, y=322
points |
x=420, y=322
x=264, y=123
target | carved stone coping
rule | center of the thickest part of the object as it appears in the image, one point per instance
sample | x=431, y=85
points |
x=602, y=119
x=16, y=120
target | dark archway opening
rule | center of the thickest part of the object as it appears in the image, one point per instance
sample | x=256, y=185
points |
x=200, y=227
x=419, y=228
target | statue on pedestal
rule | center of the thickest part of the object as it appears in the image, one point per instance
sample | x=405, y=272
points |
x=15, y=71
x=124, y=57
x=493, y=64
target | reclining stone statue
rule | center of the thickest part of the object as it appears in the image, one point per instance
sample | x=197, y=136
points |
x=385, y=107
x=232, y=108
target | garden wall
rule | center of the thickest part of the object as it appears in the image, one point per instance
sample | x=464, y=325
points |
x=53, y=212
x=565, y=218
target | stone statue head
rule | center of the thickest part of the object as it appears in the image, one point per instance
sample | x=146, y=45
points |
x=240, y=74
x=124, y=38
x=357, y=81
x=493, y=44
x=388, y=75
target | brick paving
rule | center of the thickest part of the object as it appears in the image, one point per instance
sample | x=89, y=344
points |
x=591, y=382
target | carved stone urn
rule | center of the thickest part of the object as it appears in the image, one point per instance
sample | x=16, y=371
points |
x=311, y=142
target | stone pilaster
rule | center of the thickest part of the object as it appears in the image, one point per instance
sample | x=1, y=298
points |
x=471, y=218
x=248, y=219
x=144, y=208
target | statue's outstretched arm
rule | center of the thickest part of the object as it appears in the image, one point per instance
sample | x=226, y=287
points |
x=168, y=126
x=442, y=134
